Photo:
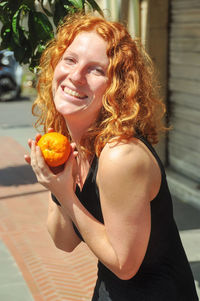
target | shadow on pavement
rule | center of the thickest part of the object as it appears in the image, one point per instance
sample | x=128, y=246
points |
x=188, y=218
x=21, y=98
x=17, y=175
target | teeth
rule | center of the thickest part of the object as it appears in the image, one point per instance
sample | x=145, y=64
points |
x=73, y=93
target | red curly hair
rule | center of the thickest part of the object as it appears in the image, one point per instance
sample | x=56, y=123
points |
x=131, y=106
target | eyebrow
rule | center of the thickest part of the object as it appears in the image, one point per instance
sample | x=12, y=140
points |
x=93, y=62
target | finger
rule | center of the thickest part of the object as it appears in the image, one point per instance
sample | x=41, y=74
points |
x=71, y=165
x=27, y=159
x=69, y=162
x=33, y=154
x=50, y=130
x=43, y=166
x=39, y=156
x=75, y=153
x=58, y=169
x=37, y=137
x=73, y=146
x=29, y=142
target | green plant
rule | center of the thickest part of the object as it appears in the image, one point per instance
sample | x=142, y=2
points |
x=27, y=25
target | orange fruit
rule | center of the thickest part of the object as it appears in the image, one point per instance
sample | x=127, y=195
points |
x=55, y=148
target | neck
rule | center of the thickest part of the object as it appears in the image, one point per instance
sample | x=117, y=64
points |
x=76, y=129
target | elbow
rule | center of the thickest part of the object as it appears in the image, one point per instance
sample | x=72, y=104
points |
x=125, y=275
x=61, y=246
x=126, y=272
x=60, y=243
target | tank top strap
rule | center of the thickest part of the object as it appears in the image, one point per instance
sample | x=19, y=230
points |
x=153, y=151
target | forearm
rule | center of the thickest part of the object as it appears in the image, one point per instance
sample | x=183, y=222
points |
x=94, y=234
x=60, y=228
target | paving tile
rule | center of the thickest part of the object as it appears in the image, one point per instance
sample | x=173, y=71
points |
x=48, y=273
x=12, y=284
x=15, y=291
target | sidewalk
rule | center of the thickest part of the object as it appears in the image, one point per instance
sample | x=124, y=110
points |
x=32, y=268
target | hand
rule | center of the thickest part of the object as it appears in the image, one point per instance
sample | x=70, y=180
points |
x=55, y=179
x=59, y=184
x=37, y=138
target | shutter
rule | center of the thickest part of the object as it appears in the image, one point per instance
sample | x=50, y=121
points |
x=184, y=88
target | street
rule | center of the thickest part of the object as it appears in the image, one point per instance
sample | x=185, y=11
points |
x=16, y=113
x=16, y=119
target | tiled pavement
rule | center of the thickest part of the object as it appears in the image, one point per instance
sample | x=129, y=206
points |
x=31, y=268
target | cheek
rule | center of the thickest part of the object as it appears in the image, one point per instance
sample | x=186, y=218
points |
x=56, y=74
x=59, y=74
x=99, y=95
x=57, y=80
x=100, y=89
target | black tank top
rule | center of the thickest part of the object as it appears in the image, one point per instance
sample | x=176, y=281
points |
x=165, y=273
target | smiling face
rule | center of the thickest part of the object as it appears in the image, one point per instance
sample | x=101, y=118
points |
x=80, y=77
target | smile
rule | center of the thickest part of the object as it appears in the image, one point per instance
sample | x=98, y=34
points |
x=74, y=93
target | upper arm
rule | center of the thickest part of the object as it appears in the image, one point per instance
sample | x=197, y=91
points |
x=125, y=178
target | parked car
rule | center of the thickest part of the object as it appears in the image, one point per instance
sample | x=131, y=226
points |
x=10, y=76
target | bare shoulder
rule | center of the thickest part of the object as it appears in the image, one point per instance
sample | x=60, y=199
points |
x=130, y=162
x=133, y=155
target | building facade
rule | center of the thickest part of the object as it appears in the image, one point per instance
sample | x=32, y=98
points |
x=170, y=32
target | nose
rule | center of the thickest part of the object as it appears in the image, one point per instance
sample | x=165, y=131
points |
x=77, y=75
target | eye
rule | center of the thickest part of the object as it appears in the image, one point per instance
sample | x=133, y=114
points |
x=69, y=60
x=97, y=70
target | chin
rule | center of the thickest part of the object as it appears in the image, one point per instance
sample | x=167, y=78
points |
x=69, y=110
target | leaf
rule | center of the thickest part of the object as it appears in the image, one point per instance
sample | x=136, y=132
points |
x=51, y=5
x=69, y=9
x=48, y=13
x=40, y=29
x=95, y=6
x=29, y=3
x=28, y=45
x=6, y=36
x=5, y=13
x=15, y=27
x=13, y=5
x=19, y=53
x=2, y=4
x=77, y=3
x=59, y=13
x=4, y=16
x=35, y=59
x=41, y=48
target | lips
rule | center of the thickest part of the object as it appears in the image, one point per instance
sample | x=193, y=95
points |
x=74, y=93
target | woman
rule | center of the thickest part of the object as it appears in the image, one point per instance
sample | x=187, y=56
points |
x=96, y=87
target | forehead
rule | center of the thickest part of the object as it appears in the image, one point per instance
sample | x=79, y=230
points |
x=89, y=44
